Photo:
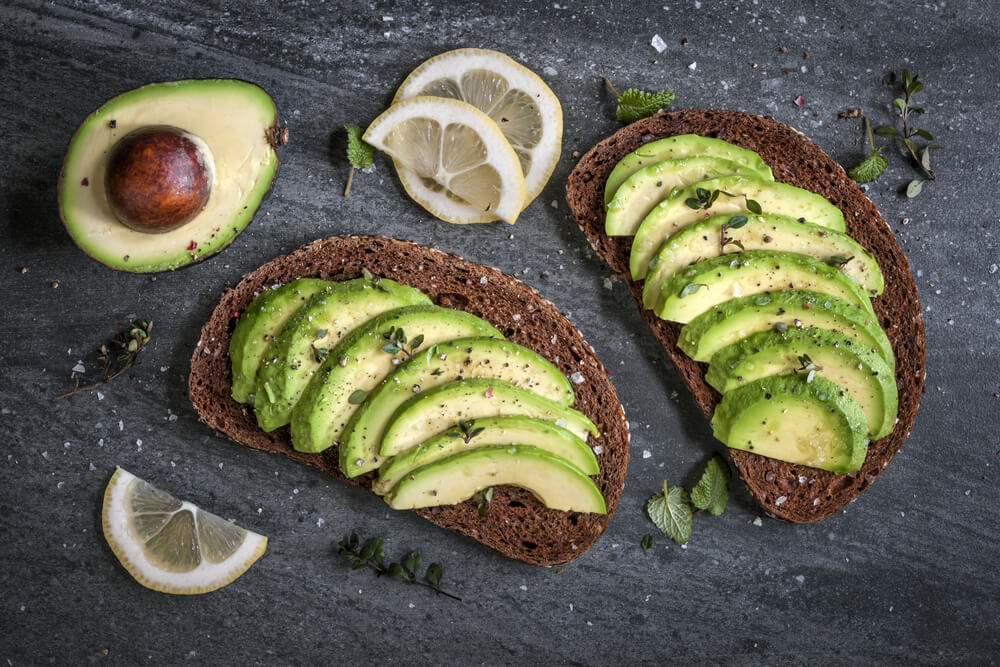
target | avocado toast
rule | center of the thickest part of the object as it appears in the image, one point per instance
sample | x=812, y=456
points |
x=517, y=524
x=788, y=491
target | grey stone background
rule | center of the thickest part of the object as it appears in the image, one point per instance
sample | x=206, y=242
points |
x=905, y=575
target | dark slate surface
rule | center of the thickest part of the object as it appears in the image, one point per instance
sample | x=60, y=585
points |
x=907, y=574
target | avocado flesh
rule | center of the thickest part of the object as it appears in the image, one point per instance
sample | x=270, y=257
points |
x=678, y=147
x=299, y=349
x=497, y=431
x=259, y=324
x=556, y=483
x=751, y=272
x=432, y=412
x=673, y=213
x=325, y=407
x=736, y=319
x=235, y=119
x=437, y=365
x=650, y=185
x=787, y=418
x=769, y=231
x=856, y=369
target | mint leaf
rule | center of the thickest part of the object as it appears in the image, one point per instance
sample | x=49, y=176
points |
x=359, y=151
x=636, y=104
x=870, y=168
x=712, y=490
x=671, y=512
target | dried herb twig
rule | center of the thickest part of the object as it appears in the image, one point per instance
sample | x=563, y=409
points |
x=372, y=556
x=123, y=349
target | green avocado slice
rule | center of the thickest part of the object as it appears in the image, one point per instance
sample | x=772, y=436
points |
x=675, y=212
x=259, y=324
x=484, y=433
x=769, y=231
x=432, y=412
x=706, y=284
x=315, y=329
x=650, y=185
x=677, y=147
x=556, y=483
x=855, y=368
x=437, y=365
x=736, y=319
x=787, y=418
x=363, y=358
x=238, y=123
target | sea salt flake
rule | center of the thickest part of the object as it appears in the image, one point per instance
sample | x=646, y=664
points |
x=576, y=378
x=658, y=44
x=780, y=500
x=800, y=578
x=483, y=281
x=100, y=395
x=758, y=522
x=608, y=284
x=598, y=449
x=523, y=587
x=693, y=66
x=79, y=368
x=646, y=454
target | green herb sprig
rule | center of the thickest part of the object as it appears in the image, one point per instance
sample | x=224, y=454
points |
x=371, y=556
x=672, y=511
x=359, y=153
x=635, y=104
x=873, y=165
x=921, y=155
x=735, y=222
x=398, y=342
x=466, y=430
x=808, y=366
x=123, y=349
x=704, y=199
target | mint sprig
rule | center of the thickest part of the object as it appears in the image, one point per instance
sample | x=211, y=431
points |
x=873, y=165
x=671, y=510
x=635, y=104
x=359, y=153
x=712, y=490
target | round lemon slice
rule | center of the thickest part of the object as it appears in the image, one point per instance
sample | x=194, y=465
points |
x=170, y=545
x=521, y=104
x=457, y=151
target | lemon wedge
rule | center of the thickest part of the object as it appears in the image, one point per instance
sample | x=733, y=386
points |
x=522, y=105
x=457, y=150
x=170, y=545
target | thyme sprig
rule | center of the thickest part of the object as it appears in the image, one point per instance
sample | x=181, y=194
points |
x=123, y=349
x=466, y=431
x=734, y=222
x=398, y=342
x=704, y=199
x=371, y=556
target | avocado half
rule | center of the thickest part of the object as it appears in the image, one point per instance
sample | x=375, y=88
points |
x=238, y=122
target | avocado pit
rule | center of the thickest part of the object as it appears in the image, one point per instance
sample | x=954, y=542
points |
x=158, y=178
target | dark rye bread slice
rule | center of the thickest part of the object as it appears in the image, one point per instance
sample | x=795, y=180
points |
x=787, y=491
x=517, y=525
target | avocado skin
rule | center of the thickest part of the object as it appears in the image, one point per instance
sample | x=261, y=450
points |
x=733, y=265
x=481, y=357
x=286, y=381
x=555, y=481
x=767, y=231
x=825, y=395
x=782, y=306
x=257, y=326
x=316, y=419
x=678, y=147
x=494, y=431
x=853, y=359
x=492, y=395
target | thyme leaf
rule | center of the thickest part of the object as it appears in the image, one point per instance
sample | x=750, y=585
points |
x=371, y=556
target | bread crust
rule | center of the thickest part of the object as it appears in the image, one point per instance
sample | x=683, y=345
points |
x=516, y=525
x=790, y=492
